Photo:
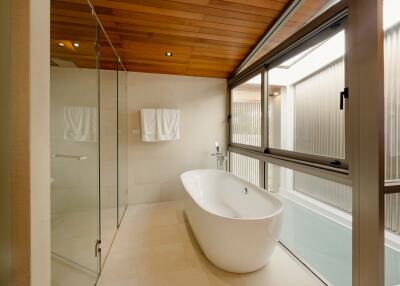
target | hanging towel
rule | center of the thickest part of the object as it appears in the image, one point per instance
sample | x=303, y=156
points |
x=168, y=124
x=80, y=124
x=160, y=124
x=149, y=124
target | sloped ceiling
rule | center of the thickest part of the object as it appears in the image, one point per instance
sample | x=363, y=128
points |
x=206, y=37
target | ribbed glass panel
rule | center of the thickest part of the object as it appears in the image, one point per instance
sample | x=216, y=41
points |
x=392, y=212
x=246, y=113
x=329, y=192
x=392, y=103
x=392, y=124
x=304, y=112
x=245, y=167
x=319, y=123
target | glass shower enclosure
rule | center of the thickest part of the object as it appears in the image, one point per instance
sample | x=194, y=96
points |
x=88, y=143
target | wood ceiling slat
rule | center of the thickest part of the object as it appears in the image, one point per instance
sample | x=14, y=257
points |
x=131, y=17
x=165, y=7
x=154, y=32
x=238, y=7
x=271, y=10
x=206, y=37
x=179, y=40
x=260, y=3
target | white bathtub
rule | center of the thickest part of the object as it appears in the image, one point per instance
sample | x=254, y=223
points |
x=236, y=231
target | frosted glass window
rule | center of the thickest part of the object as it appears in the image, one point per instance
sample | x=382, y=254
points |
x=245, y=167
x=246, y=112
x=304, y=112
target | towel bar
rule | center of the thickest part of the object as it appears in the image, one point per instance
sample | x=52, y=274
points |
x=76, y=157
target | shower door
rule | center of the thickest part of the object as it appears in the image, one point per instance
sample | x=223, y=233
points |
x=75, y=145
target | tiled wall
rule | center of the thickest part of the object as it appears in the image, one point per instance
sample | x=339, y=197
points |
x=154, y=168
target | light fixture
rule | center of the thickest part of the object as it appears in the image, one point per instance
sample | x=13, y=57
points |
x=276, y=93
x=168, y=54
x=61, y=44
x=76, y=44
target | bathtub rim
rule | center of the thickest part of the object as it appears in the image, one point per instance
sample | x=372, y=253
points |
x=268, y=193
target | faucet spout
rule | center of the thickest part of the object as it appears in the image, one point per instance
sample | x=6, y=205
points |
x=221, y=158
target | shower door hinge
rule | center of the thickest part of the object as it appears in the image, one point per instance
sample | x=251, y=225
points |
x=343, y=94
x=97, y=248
x=229, y=117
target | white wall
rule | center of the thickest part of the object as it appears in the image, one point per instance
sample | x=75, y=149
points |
x=154, y=168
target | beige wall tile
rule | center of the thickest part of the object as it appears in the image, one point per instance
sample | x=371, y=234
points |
x=154, y=168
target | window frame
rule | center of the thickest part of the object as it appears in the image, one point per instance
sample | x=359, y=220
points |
x=329, y=31
x=365, y=172
x=230, y=89
x=300, y=41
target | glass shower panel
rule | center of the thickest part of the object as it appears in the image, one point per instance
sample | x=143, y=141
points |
x=108, y=75
x=74, y=145
x=122, y=142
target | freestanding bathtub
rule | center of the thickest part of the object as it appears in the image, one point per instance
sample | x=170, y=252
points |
x=236, y=223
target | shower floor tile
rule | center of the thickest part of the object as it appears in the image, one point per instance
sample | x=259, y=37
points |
x=155, y=247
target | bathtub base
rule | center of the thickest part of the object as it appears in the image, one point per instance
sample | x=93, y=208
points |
x=230, y=254
x=237, y=231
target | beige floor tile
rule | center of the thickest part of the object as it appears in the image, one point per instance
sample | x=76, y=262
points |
x=67, y=274
x=192, y=277
x=154, y=247
x=281, y=270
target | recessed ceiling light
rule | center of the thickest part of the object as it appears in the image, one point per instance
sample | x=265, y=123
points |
x=61, y=44
x=168, y=54
x=276, y=93
x=76, y=44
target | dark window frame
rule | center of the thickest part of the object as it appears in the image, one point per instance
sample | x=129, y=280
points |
x=321, y=28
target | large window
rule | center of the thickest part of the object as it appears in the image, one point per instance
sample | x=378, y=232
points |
x=304, y=100
x=246, y=119
x=322, y=121
x=298, y=109
x=294, y=110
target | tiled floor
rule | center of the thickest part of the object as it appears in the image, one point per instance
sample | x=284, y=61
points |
x=73, y=238
x=155, y=247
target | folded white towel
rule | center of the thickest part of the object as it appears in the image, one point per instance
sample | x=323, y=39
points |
x=80, y=124
x=160, y=124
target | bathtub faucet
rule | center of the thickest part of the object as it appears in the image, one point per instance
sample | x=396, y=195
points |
x=221, y=158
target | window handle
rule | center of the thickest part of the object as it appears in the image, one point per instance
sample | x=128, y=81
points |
x=343, y=94
x=336, y=163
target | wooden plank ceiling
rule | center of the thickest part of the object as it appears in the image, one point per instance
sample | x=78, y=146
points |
x=206, y=37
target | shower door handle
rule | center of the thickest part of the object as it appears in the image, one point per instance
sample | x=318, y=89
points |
x=97, y=248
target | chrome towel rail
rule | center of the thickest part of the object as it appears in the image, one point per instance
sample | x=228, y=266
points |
x=74, y=157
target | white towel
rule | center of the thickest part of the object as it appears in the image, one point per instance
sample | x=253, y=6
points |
x=149, y=124
x=80, y=124
x=160, y=124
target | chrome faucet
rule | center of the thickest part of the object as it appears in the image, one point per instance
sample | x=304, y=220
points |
x=221, y=158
